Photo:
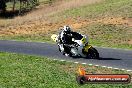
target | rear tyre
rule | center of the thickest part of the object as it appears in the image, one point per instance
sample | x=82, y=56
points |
x=93, y=53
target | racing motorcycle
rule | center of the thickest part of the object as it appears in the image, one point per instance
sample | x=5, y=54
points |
x=80, y=48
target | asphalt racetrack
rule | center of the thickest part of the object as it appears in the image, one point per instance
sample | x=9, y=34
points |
x=116, y=58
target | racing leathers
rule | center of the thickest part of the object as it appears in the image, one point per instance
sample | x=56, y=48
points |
x=65, y=40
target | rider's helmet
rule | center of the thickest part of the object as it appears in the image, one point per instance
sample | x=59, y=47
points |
x=67, y=29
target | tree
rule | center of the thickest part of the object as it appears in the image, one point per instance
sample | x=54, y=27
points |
x=3, y=5
x=14, y=3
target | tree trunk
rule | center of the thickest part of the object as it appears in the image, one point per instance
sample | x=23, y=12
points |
x=14, y=3
x=20, y=9
x=3, y=5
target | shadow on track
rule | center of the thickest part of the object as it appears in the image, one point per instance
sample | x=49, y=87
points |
x=101, y=58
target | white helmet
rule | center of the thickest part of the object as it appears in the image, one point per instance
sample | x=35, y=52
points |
x=67, y=29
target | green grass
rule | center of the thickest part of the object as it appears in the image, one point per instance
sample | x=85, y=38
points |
x=25, y=71
x=108, y=35
x=29, y=38
x=102, y=9
x=17, y=5
x=99, y=34
x=10, y=5
x=103, y=35
x=46, y=1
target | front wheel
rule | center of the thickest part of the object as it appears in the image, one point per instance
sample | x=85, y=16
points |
x=92, y=53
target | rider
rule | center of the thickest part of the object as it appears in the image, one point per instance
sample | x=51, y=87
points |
x=66, y=36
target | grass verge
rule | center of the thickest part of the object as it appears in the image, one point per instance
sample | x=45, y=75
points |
x=20, y=71
x=106, y=23
x=106, y=8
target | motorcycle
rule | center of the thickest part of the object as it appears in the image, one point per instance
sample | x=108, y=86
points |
x=80, y=48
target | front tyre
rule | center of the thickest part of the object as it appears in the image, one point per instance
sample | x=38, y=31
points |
x=92, y=53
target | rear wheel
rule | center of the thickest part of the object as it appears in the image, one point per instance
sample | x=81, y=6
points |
x=92, y=53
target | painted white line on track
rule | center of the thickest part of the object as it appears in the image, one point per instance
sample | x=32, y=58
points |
x=76, y=62
x=103, y=66
x=90, y=64
x=123, y=69
x=97, y=65
x=110, y=67
x=84, y=63
x=116, y=68
x=62, y=60
x=129, y=70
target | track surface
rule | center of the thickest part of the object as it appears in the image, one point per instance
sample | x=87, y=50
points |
x=116, y=58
